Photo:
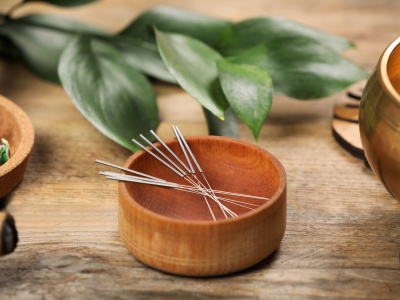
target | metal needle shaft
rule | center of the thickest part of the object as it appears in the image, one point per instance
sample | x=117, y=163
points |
x=158, y=158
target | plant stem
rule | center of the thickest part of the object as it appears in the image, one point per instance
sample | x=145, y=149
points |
x=3, y=19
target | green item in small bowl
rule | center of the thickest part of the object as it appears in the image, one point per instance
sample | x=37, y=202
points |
x=4, y=152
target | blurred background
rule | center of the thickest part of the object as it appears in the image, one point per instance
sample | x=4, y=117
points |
x=343, y=231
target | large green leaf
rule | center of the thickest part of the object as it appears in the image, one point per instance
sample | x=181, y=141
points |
x=66, y=3
x=171, y=19
x=142, y=56
x=227, y=127
x=249, y=33
x=115, y=98
x=41, y=39
x=249, y=92
x=302, y=68
x=194, y=66
x=59, y=23
x=137, y=41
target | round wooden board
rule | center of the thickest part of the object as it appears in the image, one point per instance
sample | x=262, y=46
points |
x=345, y=126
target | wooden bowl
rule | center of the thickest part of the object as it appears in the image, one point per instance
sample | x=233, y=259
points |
x=173, y=231
x=16, y=127
x=379, y=119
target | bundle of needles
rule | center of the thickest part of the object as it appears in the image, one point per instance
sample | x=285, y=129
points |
x=186, y=171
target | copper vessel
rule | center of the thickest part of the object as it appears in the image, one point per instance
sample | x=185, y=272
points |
x=380, y=119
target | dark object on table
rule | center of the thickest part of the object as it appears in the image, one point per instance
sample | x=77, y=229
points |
x=345, y=127
x=8, y=234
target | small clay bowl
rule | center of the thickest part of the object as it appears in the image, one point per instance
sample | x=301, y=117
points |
x=15, y=127
x=173, y=231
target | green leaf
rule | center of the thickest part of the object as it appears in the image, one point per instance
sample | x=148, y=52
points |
x=67, y=3
x=249, y=92
x=249, y=33
x=193, y=64
x=302, y=68
x=115, y=98
x=41, y=39
x=60, y=24
x=137, y=41
x=171, y=19
x=227, y=127
x=142, y=56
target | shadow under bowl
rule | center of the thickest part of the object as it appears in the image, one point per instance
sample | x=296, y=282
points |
x=174, y=231
x=15, y=127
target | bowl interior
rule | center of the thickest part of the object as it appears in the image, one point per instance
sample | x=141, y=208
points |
x=393, y=68
x=10, y=129
x=229, y=165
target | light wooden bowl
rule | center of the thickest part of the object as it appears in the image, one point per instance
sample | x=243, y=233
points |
x=174, y=231
x=16, y=127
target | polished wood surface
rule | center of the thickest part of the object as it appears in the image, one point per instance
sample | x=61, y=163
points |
x=342, y=237
x=174, y=231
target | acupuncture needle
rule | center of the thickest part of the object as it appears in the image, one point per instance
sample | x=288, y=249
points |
x=158, y=158
x=180, y=187
x=194, y=175
x=196, y=188
x=180, y=136
x=172, y=168
x=135, y=179
x=162, y=180
x=119, y=175
x=168, y=159
x=169, y=150
x=174, y=155
x=162, y=154
x=138, y=180
x=183, y=149
x=126, y=170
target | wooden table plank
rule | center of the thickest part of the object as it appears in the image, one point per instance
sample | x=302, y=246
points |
x=343, y=231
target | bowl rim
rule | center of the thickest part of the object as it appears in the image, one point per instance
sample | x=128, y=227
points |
x=383, y=74
x=27, y=136
x=245, y=216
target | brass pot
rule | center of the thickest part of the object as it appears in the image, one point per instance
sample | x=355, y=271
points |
x=380, y=119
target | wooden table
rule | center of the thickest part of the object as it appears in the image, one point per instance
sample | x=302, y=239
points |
x=343, y=228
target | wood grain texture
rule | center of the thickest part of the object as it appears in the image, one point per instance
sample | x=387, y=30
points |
x=343, y=228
